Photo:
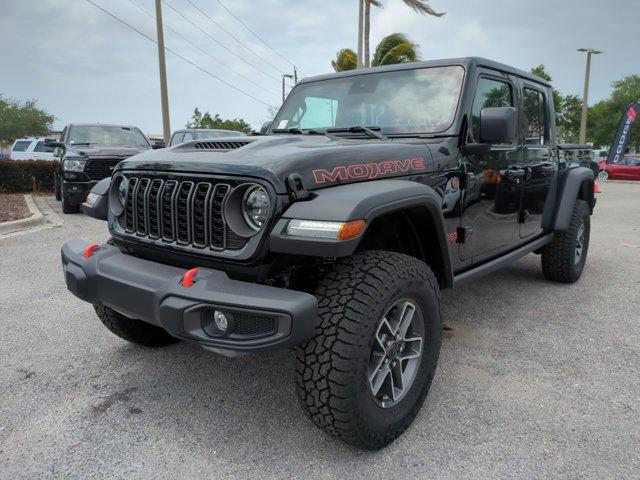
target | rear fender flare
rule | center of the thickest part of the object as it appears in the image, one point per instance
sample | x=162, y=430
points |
x=572, y=183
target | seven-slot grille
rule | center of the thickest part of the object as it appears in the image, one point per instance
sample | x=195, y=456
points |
x=187, y=212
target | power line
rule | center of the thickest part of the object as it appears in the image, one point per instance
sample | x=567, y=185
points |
x=212, y=20
x=218, y=42
x=255, y=34
x=175, y=32
x=178, y=55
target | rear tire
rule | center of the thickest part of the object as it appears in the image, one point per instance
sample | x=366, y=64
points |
x=563, y=259
x=131, y=330
x=603, y=175
x=336, y=370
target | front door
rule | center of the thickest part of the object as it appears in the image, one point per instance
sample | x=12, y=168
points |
x=539, y=162
x=492, y=196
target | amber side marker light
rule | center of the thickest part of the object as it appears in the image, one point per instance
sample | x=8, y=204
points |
x=351, y=229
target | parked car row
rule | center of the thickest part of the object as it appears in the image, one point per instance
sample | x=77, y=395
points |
x=87, y=153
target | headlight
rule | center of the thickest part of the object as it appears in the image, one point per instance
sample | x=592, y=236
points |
x=74, y=165
x=255, y=206
x=122, y=191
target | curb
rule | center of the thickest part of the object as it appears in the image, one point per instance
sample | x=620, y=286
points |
x=35, y=219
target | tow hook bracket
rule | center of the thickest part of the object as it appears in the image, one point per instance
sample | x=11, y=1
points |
x=89, y=250
x=187, y=279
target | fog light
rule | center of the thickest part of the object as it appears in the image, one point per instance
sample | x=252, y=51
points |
x=220, y=319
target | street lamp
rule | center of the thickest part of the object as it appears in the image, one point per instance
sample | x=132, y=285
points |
x=284, y=75
x=585, y=97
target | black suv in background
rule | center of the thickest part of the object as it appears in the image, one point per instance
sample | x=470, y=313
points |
x=87, y=153
x=188, y=134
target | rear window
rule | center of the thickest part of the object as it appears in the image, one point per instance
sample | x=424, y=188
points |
x=21, y=146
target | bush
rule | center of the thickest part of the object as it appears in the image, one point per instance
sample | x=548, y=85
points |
x=26, y=176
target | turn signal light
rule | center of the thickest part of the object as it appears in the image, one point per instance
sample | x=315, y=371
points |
x=351, y=229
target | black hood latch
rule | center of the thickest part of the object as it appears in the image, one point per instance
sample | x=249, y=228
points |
x=296, y=189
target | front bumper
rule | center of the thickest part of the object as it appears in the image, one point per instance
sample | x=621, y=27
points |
x=261, y=317
x=76, y=192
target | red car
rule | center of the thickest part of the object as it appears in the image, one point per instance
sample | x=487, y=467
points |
x=627, y=169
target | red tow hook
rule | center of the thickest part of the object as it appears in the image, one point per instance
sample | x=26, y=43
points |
x=187, y=280
x=89, y=250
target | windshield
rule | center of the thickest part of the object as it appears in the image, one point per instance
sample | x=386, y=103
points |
x=405, y=101
x=107, y=135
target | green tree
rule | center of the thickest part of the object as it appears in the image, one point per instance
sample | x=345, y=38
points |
x=205, y=120
x=605, y=116
x=568, y=119
x=419, y=6
x=394, y=48
x=345, y=60
x=21, y=119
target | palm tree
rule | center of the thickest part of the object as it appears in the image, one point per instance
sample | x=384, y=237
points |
x=346, y=59
x=394, y=48
x=419, y=6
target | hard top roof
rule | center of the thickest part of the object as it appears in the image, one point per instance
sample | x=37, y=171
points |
x=465, y=62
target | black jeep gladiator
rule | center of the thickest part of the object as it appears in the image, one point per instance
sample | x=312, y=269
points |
x=335, y=230
x=87, y=153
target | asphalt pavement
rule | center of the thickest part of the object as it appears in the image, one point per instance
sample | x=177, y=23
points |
x=535, y=380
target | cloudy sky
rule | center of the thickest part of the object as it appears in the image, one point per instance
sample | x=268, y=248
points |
x=84, y=66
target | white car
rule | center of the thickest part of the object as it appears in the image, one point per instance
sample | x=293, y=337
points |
x=32, y=148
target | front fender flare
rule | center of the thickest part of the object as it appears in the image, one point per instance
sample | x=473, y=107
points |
x=361, y=201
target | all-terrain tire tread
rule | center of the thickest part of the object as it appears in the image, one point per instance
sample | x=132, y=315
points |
x=558, y=256
x=324, y=364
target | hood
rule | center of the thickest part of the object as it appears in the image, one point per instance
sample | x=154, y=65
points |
x=321, y=161
x=102, y=151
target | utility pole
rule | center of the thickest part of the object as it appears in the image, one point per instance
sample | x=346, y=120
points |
x=283, y=85
x=360, y=39
x=585, y=96
x=166, y=127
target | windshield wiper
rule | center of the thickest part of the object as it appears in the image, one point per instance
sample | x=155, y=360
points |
x=81, y=143
x=294, y=130
x=371, y=131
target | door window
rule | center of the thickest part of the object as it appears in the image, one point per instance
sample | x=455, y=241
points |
x=489, y=93
x=535, y=121
x=41, y=147
x=188, y=136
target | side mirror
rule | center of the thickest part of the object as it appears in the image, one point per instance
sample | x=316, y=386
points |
x=97, y=203
x=498, y=125
x=265, y=127
x=158, y=144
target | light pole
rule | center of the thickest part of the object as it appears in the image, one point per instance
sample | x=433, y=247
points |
x=585, y=97
x=284, y=75
x=164, y=97
x=360, y=33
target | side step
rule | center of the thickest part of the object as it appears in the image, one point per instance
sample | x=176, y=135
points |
x=497, y=263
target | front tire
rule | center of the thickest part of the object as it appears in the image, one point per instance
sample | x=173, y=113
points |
x=56, y=183
x=564, y=258
x=66, y=206
x=131, y=330
x=344, y=382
